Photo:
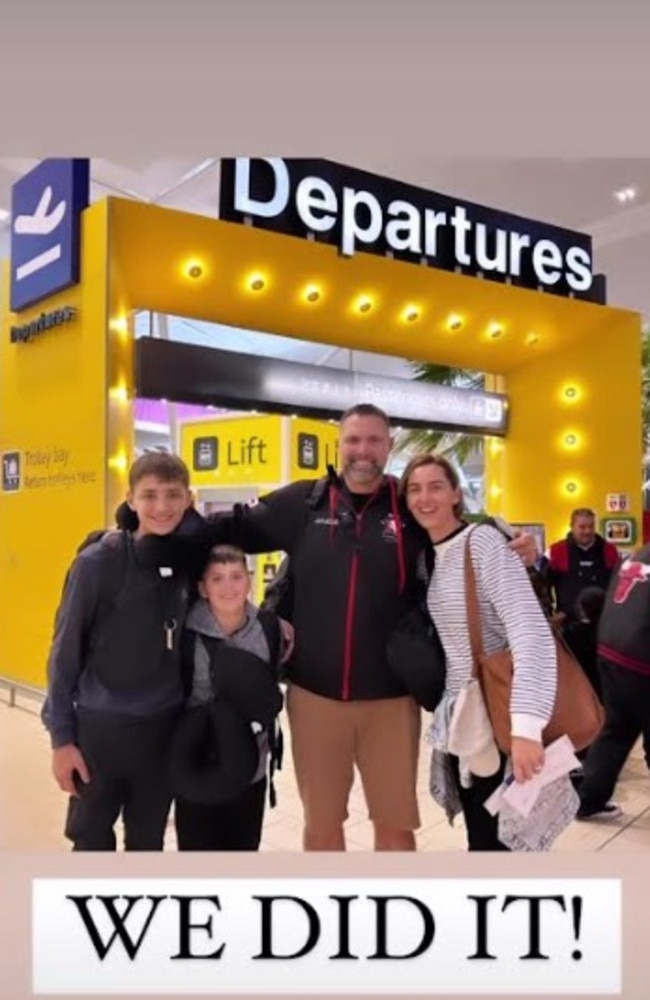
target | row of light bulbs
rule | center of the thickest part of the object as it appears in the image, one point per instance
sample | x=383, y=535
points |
x=363, y=304
x=570, y=440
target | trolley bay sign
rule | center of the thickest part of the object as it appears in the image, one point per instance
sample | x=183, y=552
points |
x=357, y=210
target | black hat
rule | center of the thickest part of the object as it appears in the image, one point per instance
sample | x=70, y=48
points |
x=416, y=657
x=213, y=755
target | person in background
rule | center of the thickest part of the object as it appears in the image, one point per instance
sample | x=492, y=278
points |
x=582, y=559
x=624, y=665
x=581, y=636
x=538, y=575
x=581, y=633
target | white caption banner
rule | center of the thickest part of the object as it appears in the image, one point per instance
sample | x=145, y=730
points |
x=373, y=936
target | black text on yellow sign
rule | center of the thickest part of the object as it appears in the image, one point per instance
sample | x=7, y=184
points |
x=242, y=451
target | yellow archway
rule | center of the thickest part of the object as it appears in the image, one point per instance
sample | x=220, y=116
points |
x=571, y=370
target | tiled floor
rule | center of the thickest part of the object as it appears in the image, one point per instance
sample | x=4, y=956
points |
x=31, y=817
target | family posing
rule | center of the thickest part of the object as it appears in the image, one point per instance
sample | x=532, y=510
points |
x=163, y=677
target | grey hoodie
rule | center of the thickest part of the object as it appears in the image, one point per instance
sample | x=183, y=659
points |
x=250, y=637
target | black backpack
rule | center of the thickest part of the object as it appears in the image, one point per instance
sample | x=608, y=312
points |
x=272, y=631
x=135, y=631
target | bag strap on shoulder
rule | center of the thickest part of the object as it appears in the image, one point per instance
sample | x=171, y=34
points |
x=272, y=632
x=472, y=605
x=318, y=490
x=212, y=645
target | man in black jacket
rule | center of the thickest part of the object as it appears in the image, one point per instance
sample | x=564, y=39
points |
x=582, y=559
x=353, y=558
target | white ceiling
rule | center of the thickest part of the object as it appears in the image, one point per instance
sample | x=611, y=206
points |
x=573, y=192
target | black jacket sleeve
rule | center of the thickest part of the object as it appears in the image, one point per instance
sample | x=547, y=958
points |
x=73, y=622
x=278, y=594
x=275, y=523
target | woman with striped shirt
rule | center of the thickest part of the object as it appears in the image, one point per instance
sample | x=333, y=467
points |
x=510, y=617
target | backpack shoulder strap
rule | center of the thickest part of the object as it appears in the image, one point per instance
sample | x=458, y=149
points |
x=120, y=546
x=318, y=491
x=270, y=623
x=94, y=536
x=213, y=646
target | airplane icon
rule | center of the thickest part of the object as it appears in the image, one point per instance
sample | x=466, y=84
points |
x=46, y=222
x=41, y=223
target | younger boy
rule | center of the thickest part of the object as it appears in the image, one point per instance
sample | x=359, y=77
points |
x=232, y=652
x=114, y=680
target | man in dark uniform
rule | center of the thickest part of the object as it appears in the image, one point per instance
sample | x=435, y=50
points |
x=582, y=559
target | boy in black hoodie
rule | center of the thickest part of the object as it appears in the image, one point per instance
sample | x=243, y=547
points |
x=221, y=626
x=114, y=682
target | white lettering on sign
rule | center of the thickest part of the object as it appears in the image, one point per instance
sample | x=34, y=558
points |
x=408, y=228
x=266, y=209
x=314, y=195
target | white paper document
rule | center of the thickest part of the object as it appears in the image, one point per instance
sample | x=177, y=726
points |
x=559, y=759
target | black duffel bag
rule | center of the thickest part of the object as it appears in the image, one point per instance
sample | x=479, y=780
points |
x=213, y=755
x=416, y=657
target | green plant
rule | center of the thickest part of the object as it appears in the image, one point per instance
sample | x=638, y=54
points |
x=452, y=444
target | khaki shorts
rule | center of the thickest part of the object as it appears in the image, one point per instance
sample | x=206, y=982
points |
x=328, y=738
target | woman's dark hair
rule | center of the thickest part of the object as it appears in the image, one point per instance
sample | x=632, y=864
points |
x=450, y=473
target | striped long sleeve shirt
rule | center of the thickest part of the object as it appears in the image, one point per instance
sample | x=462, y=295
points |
x=510, y=617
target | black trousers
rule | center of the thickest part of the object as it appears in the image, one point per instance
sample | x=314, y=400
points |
x=482, y=828
x=127, y=763
x=227, y=826
x=626, y=698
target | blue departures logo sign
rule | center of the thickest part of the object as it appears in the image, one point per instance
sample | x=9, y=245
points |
x=46, y=207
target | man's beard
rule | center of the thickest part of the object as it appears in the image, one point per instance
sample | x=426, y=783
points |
x=368, y=474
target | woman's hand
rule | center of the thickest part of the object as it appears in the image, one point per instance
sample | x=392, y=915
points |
x=527, y=758
x=525, y=546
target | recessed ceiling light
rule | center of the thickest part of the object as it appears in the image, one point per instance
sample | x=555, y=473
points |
x=364, y=304
x=625, y=194
x=4, y=214
x=193, y=268
x=256, y=282
x=411, y=313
